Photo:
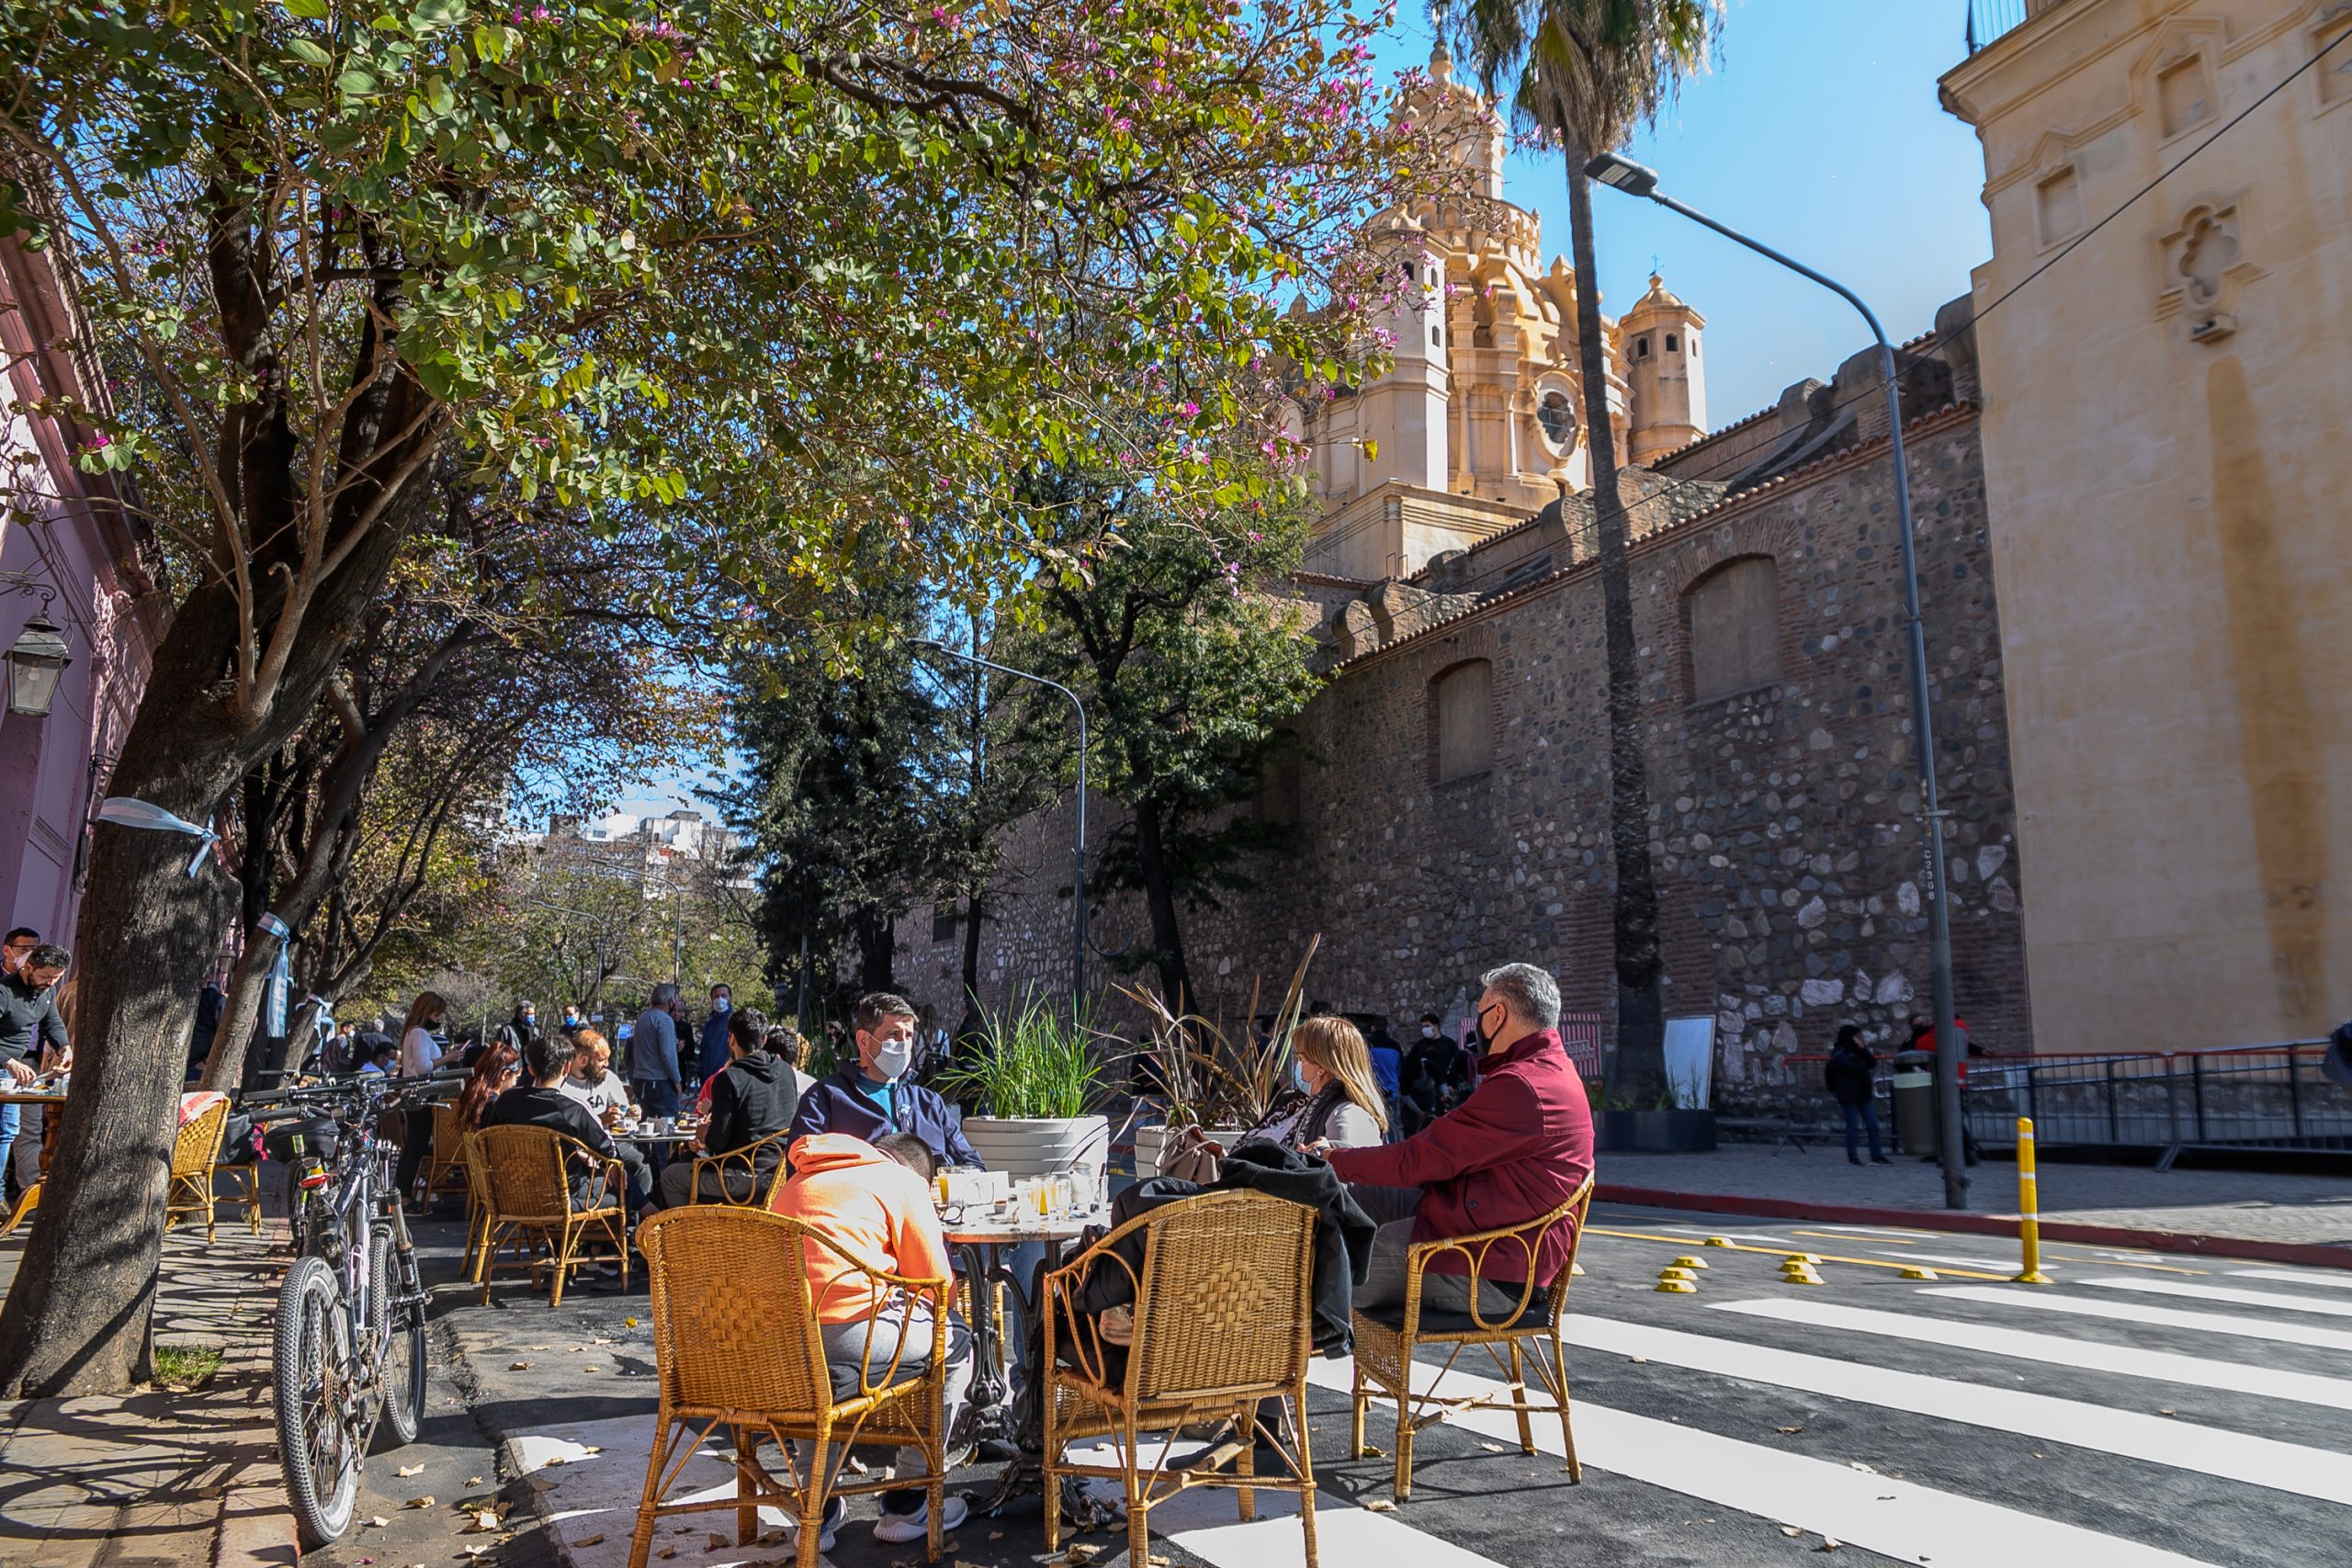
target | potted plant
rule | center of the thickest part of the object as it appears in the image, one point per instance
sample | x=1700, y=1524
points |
x=1038, y=1078
x=1208, y=1077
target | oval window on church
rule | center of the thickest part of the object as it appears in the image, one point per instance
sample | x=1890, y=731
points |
x=1559, y=419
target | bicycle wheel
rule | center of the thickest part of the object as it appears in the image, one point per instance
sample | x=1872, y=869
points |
x=400, y=1331
x=318, y=1421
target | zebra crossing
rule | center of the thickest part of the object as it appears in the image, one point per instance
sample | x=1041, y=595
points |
x=1966, y=1426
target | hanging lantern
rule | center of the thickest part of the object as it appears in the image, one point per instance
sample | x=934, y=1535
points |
x=36, y=660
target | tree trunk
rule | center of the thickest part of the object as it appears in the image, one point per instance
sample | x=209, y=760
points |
x=1160, y=905
x=969, y=1023
x=877, y=941
x=1640, y=1062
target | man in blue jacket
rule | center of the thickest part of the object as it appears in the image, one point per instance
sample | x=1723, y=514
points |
x=876, y=1095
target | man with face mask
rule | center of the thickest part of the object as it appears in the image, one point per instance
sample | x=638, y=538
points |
x=875, y=1094
x=712, y=1058
x=1517, y=1148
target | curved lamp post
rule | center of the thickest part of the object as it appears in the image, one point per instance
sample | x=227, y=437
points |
x=1078, y=850
x=1636, y=179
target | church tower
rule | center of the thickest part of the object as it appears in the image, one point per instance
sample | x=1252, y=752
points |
x=1404, y=410
x=1657, y=349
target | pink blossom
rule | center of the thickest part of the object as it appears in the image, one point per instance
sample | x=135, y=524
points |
x=1190, y=408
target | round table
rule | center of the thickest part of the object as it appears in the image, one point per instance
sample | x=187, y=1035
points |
x=981, y=1239
x=31, y=1198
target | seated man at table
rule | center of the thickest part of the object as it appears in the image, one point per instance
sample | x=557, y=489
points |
x=541, y=1102
x=752, y=1099
x=592, y=1081
x=873, y=1094
x=1516, y=1149
x=873, y=1200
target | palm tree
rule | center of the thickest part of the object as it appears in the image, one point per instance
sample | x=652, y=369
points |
x=1582, y=74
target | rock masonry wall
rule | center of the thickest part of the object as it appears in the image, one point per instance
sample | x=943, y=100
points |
x=1785, y=831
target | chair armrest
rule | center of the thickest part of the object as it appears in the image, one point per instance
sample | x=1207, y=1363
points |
x=1526, y=1234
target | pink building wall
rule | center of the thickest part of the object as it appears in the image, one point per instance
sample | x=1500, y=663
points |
x=105, y=603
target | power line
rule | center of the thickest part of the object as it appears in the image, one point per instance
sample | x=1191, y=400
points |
x=1937, y=339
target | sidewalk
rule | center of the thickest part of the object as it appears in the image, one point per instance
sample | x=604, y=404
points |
x=157, y=1478
x=2282, y=1217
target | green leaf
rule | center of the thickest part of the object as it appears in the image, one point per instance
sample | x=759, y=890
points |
x=302, y=49
x=316, y=10
x=356, y=84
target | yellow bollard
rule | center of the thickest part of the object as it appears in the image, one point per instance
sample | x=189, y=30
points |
x=2029, y=1208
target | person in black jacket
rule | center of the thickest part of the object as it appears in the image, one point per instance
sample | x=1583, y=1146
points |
x=1436, y=1077
x=1848, y=1077
x=542, y=1103
x=754, y=1098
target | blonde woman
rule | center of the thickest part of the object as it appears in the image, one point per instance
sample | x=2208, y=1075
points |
x=1333, y=1097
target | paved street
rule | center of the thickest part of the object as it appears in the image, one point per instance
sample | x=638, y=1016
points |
x=2250, y=1205
x=2145, y=1410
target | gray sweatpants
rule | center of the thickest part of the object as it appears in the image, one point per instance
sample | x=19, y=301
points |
x=848, y=1345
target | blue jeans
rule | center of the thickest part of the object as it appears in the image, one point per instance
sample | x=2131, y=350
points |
x=656, y=1097
x=8, y=1114
x=1859, y=1116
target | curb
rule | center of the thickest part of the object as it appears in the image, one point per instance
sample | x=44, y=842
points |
x=2319, y=1254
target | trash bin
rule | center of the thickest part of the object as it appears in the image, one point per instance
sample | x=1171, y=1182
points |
x=1914, y=1093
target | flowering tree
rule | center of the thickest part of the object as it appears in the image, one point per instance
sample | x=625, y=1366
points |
x=767, y=277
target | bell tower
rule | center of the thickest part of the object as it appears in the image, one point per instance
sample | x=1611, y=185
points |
x=1658, y=352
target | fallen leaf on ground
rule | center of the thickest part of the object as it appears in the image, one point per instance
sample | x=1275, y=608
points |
x=408, y=1470
x=1791, y=1530
x=1493, y=1448
x=1886, y=1496
x=1788, y=1431
x=2164, y=1411
x=1082, y=1552
x=666, y=1554
x=423, y=1502
x=473, y=1479
x=1829, y=1543
x=590, y=1540
x=628, y=1323
x=1382, y=1506
x=601, y=1341
x=1639, y=1360
x=1368, y=1451
x=591, y=1369
x=1858, y=1464
x=996, y=1535
x=482, y=1519
x=518, y=1366
x=379, y=1521
x=718, y=1542
x=592, y=1449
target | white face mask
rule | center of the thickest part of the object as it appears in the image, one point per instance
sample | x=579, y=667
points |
x=1429, y=1031
x=722, y=1004
x=893, y=1057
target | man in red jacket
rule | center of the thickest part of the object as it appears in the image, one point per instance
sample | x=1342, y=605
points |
x=1518, y=1148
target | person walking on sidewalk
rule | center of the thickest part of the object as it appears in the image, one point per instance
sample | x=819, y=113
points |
x=653, y=1054
x=1851, y=1065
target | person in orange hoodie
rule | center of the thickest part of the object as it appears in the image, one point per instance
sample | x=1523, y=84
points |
x=874, y=1201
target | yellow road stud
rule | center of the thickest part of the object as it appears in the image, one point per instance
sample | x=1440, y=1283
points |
x=1684, y=1275
x=1797, y=1271
x=1918, y=1274
x=1716, y=1241
x=1678, y=1287
x=1690, y=1261
x=1807, y=1258
x=1576, y=1271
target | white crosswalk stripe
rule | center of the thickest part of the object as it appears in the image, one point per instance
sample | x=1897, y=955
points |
x=2153, y=1439
x=2291, y=1277
x=2269, y=1383
x=2157, y=1318
x=2272, y=1299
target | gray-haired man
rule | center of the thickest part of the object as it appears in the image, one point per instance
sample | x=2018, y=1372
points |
x=1517, y=1148
x=653, y=1054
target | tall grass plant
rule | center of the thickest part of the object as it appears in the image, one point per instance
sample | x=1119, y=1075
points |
x=1036, y=1060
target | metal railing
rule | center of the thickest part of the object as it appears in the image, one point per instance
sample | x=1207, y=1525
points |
x=2239, y=1097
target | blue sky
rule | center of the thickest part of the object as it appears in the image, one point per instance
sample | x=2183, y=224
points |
x=1817, y=130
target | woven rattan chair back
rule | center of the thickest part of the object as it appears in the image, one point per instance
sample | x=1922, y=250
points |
x=1227, y=1284
x=734, y=1323
x=198, y=1143
x=448, y=1128
x=522, y=1170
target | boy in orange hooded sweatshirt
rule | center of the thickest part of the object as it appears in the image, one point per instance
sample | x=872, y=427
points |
x=874, y=1201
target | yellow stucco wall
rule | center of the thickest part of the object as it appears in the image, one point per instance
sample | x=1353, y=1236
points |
x=2168, y=440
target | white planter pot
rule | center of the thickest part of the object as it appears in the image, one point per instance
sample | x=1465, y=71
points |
x=1151, y=1141
x=1039, y=1147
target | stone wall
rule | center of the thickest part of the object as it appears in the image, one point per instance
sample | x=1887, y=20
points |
x=1786, y=820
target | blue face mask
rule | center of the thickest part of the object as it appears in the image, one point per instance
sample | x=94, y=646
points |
x=722, y=1004
x=1297, y=1076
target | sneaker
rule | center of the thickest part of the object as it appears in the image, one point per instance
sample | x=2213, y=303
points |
x=836, y=1512
x=1881, y=1159
x=917, y=1525
x=1855, y=1160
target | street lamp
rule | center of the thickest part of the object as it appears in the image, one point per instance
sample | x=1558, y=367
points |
x=35, y=658
x=1636, y=179
x=1078, y=850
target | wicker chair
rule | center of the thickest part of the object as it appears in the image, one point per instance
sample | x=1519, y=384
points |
x=244, y=1187
x=477, y=1209
x=1387, y=1339
x=448, y=1171
x=527, y=1177
x=1223, y=1319
x=744, y=1161
x=737, y=1344
x=194, y=1153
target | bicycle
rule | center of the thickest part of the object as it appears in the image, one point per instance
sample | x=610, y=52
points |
x=350, y=1336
